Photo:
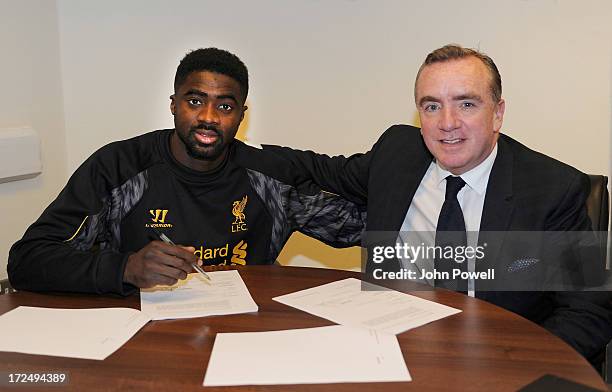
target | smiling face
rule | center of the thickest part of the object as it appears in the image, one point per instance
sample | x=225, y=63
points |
x=208, y=108
x=460, y=121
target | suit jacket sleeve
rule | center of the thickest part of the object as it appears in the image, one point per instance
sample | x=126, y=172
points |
x=583, y=319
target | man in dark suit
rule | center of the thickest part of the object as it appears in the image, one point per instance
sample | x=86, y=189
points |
x=499, y=186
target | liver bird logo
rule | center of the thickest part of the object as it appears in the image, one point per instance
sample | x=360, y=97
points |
x=238, y=210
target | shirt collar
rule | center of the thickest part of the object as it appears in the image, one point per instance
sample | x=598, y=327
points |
x=476, y=178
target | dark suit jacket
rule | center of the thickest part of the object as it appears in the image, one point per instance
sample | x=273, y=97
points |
x=527, y=191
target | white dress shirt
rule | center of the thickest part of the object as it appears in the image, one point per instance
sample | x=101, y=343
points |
x=423, y=213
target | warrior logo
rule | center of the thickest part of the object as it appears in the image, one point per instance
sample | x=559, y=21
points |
x=158, y=217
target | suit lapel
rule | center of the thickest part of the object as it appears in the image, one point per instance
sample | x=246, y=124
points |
x=413, y=168
x=499, y=204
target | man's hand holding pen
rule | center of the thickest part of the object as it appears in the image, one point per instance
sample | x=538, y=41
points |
x=159, y=263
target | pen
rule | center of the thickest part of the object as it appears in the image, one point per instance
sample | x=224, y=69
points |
x=168, y=241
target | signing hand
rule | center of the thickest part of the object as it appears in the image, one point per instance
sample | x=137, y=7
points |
x=159, y=263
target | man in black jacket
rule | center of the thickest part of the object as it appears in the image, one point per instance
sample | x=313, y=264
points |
x=500, y=186
x=206, y=191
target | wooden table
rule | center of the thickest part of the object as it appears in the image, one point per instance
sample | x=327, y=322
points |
x=484, y=348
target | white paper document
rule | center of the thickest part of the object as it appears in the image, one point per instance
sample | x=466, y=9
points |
x=346, y=302
x=75, y=333
x=305, y=356
x=195, y=296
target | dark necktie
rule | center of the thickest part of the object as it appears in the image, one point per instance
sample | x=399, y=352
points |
x=450, y=234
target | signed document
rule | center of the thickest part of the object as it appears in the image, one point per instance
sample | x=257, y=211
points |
x=74, y=333
x=195, y=296
x=305, y=356
x=361, y=304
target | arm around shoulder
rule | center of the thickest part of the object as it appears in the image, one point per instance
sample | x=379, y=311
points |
x=344, y=176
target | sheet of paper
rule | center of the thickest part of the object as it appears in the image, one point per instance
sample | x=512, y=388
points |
x=305, y=356
x=195, y=296
x=75, y=333
x=346, y=302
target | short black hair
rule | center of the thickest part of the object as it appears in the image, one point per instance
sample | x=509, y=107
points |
x=214, y=60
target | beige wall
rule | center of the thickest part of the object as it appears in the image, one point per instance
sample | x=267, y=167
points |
x=332, y=75
x=31, y=95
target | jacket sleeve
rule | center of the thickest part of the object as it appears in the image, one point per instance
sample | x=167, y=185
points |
x=71, y=246
x=327, y=217
x=582, y=319
x=303, y=207
x=295, y=203
x=345, y=176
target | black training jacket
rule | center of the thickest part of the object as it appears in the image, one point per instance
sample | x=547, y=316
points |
x=242, y=213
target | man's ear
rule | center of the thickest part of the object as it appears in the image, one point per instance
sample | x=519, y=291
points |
x=172, y=105
x=498, y=118
x=244, y=109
